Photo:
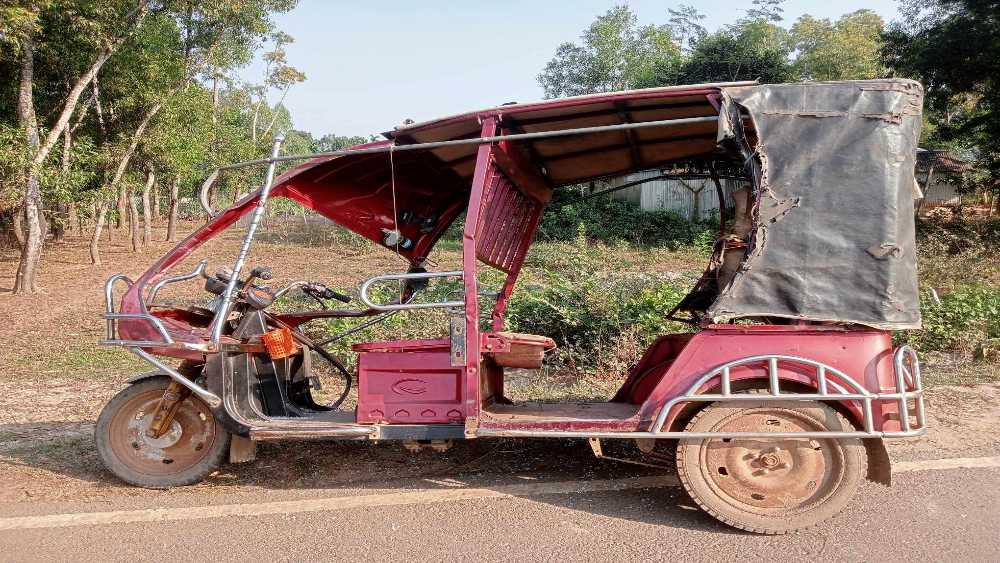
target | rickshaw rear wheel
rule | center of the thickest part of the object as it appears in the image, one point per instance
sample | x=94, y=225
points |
x=771, y=486
x=191, y=449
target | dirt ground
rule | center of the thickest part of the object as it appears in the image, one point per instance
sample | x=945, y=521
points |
x=55, y=381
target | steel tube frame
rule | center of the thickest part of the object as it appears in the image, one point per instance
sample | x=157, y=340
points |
x=199, y=269
x=219, y=322
x=210, y=398
x=479, y=140
x=202, y=197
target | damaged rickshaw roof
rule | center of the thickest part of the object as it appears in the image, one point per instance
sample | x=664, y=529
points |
x=832, y=163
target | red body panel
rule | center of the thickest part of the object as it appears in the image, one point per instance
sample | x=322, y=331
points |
x=864, y=355
x=413, y=387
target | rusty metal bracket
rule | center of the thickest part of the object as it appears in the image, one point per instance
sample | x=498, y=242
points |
x=595, y=446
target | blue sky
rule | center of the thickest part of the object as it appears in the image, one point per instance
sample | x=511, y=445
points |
x=370, y=65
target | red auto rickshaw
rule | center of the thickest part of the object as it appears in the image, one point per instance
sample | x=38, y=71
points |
x=777, y=401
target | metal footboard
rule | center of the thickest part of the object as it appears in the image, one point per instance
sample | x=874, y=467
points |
x=831, y=385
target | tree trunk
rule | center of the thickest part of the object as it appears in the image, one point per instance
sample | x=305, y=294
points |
x=155, y=194
x=122, y=205
x=133, y=224
x=31, y=250
x=100, y=213
x=215, y=99
x=253, y=123
x=172, y=217
x=17, y=225
x=147, y=214
x=62, y=217
x=73, y=218
x=123, y=198
x=31, y=253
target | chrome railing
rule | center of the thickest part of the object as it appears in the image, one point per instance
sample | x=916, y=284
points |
x=112, y=317
x=198, y=270
x=409, y=306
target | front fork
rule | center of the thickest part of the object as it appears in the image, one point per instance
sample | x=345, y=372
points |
x=170, y=402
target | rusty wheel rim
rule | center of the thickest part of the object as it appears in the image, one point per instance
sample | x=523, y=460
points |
x=187, y=442
x=771, y=476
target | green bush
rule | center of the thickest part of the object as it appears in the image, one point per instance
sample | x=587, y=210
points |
x=600, y=319
x=963, y=319
x=612, y=221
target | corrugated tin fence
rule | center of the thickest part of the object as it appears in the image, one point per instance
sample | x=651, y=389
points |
x=692, y=199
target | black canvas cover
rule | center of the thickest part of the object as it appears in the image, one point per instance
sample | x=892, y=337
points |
x=833, y=231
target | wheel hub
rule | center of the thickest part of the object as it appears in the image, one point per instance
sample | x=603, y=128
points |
x=169, y=438
x=764, y=475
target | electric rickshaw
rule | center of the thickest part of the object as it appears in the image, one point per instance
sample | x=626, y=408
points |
x=775, y=404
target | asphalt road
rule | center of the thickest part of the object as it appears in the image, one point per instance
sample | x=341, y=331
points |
x=932, y=513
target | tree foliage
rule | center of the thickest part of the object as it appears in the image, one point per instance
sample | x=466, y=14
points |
x=615, y=53
x=846, y=49
x=753, y=50
x=953, y=47
x=756, y=47
x=110, y=97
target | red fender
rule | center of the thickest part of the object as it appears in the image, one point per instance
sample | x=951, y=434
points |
x=676, y=362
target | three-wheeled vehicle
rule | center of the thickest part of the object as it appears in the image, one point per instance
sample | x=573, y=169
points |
x=776, y=402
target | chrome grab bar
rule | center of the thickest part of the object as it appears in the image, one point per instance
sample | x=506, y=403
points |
x=199, y=269
x=111, y=317
x=409, y=276
x=908, y=375
x=109, y=300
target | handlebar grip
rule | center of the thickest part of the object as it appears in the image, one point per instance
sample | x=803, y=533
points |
x=338, y=296
x=323, y=292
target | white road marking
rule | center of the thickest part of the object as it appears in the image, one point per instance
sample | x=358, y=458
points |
x=948, y=463
x=405, y=498
x=331, y=504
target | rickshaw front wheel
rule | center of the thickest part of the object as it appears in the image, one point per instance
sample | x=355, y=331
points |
x=771, y=486
x=192, y=447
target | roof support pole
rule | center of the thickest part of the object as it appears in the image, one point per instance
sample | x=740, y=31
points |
x=222, y=313
x=484, y=139
x=482, y=175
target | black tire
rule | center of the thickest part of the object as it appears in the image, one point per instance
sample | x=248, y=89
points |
x=200, y=443
x=771, y=486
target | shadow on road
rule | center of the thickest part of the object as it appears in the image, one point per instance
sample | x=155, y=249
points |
x=41, y=457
